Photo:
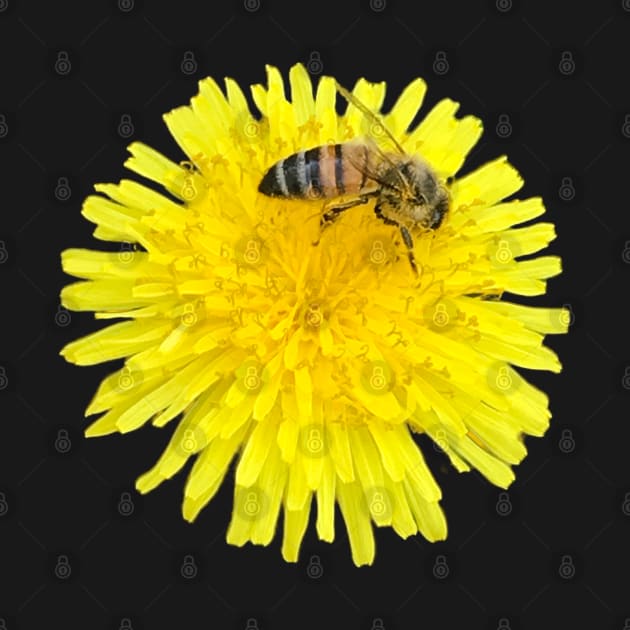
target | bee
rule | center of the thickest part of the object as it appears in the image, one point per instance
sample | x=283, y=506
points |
x=407, y=192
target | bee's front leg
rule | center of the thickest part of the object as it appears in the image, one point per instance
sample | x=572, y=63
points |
x=332, y=212
x=409, y=243
x=405, y=235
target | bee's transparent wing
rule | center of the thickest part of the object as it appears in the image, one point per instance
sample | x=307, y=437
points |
x=370, y=170
x=377, y=122
x=372, y=116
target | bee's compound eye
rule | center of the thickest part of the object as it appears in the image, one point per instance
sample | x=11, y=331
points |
x=437, y=216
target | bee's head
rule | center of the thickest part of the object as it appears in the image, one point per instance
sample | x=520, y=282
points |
x=410, y=190
x=438, y=209
x=424, y=194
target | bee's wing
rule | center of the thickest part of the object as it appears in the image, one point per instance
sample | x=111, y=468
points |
x=373, y=145
x=369, y=166
x=375, y=118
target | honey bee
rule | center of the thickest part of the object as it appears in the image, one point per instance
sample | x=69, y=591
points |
x=407, y=191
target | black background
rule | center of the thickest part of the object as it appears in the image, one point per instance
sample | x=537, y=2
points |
x=503, y=58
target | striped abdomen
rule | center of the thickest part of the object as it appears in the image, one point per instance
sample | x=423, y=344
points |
x=322, y=172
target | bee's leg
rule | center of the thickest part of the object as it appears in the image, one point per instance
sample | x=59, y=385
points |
x=379, y=213
x=409, y=243
x=405, y=234
x=332, y=212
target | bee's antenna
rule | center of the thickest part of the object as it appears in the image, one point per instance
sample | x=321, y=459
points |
x=351, y=98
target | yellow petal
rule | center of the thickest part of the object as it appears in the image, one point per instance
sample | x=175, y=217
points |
x=357, y=519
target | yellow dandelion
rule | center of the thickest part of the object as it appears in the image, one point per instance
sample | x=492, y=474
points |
x=314, y=365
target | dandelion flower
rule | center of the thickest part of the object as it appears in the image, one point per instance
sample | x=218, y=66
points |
x=312, y=367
